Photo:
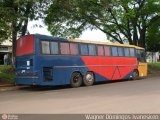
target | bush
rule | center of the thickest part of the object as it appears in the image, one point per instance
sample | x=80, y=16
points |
x=7, y=74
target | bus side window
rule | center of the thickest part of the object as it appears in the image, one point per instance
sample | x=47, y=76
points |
x=100, y=50
x=114, y=51
x=107, y=50
x=64, y=48
x=74, y=49
x=132, y=52
x=138, y=54
x=92, y=49
x=143, y=56
x=45, y=47
x=120, y=51
x=126, y=52
x=54, y=48
x=84, y=49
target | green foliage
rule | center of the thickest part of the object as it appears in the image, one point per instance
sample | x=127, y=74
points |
x=122, y=20
x=153, y=38
x=5, y=19
x=15, y=17
x=68, y=18
x=7, y=74
x=155, y=64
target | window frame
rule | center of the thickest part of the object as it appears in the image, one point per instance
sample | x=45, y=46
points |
x=81, y=51
x=109, y=48
x=102, y=49
x=94, y=51
x=58, y=48
x=78, y=53
x=112, y=52
x=134, y=52
x=128, y=51
x=122, y=51
x=41, y=48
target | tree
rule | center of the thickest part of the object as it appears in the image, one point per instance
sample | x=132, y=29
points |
x=153, y=38
x=122, y=20
x=18, y=14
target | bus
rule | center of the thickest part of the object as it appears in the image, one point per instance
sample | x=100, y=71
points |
x=49, y=61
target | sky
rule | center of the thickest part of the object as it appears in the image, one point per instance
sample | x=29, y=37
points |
x=40, y=28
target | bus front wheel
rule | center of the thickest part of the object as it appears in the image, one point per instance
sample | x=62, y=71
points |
x=135, y=75
x=76, y=80
x=88, y=79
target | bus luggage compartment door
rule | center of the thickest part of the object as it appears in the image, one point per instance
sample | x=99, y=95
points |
x=47, y=73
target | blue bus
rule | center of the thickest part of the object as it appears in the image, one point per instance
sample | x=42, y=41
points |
x=50, y=61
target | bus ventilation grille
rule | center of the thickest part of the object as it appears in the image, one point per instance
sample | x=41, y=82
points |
x=48, y=73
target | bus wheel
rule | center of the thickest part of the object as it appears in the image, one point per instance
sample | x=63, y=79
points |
x=135, y=75
x=76, y=80
x=88, y=79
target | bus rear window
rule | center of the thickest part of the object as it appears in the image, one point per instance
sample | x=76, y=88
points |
x=25, y=45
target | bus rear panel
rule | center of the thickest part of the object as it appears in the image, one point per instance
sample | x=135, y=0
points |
x=25, y=61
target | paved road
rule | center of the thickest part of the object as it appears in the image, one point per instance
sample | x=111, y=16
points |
x=140, y=96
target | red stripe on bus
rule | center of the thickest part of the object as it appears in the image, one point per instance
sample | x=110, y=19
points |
x=112, y=68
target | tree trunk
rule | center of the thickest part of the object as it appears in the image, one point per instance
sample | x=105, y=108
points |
x=142, y=39
x=14, y=38
x=14, y=32
x=24, y=28
x=135, y=35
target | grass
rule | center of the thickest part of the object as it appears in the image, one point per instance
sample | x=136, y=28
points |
x=154, y=67
x=155, y=64
x=7, y=74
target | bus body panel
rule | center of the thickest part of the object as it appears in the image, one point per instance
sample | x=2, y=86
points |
x=112, y=68
x=142, y=68
x=62, y=69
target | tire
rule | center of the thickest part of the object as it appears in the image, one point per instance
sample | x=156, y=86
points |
x=76, y=80
x=88, y=79
x=135, y=75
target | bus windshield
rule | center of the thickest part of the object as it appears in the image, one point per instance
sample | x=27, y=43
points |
x=25, y=46
x=141, y=55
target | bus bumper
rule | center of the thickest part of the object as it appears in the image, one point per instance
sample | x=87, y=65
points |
x=26, y=80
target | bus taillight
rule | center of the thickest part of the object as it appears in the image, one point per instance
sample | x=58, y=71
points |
x=32, y=73
x=30, y=62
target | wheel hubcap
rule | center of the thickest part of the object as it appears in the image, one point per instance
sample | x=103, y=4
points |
x=75, y=79
x=89, y=77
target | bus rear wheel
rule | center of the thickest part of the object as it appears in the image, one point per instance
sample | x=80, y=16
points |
x=88, y=79
x=76, y=80
x=135, y=75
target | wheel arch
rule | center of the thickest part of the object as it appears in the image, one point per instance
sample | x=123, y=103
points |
x=136, y=70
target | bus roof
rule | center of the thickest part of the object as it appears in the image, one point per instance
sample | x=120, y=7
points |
x=104, y=43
